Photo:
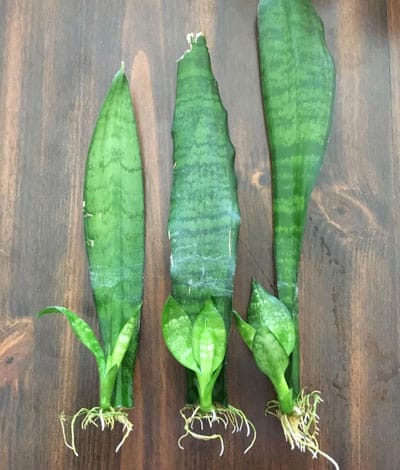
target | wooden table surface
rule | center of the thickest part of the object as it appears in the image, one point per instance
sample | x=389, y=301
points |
x=57, y=59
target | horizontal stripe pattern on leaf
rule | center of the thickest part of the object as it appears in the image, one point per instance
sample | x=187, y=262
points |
x=114, y=225
x=298, y=82
x=204, y=215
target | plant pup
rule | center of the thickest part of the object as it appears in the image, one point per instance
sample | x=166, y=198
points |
x=113, y=213
x=203, y=229
x=298, y=84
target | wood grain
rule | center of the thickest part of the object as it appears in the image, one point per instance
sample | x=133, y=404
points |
x=56, y=62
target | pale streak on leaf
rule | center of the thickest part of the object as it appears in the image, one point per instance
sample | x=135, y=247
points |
x=177, y=332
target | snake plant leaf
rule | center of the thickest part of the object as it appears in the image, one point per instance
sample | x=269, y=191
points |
x=273, y=361
x=269, y=355
x=245, y=330
x=298, y=83
x=265, y=310
x=177, y=332
x=83, y=331
x=209, y=339
x=125, y=338
x=114, y=226
x=211, y=382
x=204, y=216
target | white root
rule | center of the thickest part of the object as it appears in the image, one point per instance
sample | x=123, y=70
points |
x=96, y=416
x=192, y=414
x=301, y=428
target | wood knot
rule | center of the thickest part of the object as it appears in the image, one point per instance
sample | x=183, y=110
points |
x=259, y=180
x=346, y=210
x=16, y=347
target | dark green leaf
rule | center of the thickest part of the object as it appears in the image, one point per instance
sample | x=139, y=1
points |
x=298, y=83
x=204, y=216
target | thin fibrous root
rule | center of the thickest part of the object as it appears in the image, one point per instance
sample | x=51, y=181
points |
x=301, y=428
x=96, y=416
x=192, y=414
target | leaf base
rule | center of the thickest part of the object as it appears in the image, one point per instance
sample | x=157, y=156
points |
x=301, y=427
x=96, y=416
x=192, y=414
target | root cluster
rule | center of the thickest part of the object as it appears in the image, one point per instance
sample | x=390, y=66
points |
x=96, y=417
x=192, y=414
x=301, y=428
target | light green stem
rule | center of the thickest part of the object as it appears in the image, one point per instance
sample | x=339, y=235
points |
x=285, y=396
x=293, y=371
x=107, y=383
x=205, y=396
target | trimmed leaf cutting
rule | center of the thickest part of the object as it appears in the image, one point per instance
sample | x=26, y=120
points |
x=113, y=213
x=298, y=84
x=203, y=229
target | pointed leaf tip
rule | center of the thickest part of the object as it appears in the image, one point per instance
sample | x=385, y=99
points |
x=83, y=332
x=245, y=330
x=265, y=310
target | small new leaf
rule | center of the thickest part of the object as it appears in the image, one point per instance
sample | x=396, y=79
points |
x=83, y=331
x=177, y=332
x=209, y=339
x=269, y=355
x=265, y=310
x=245, y=330
x=124, y=338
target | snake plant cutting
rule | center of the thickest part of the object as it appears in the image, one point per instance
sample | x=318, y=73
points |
x=113, y=213
x=203, y=229
x=298, y=83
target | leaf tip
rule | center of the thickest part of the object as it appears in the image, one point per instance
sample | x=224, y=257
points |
x=192, y=39
x=47, y=310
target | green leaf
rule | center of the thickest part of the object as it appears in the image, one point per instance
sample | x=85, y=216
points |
x=177, y=332
x=204, y=216
x=83, y=332
x=246, y=331
x=209, y=339
x=265, y=310
x=206, y=388
x=269, y=355
x=107, y=385
x=124, y=339
x=114, y=224
x=298, y=84
x=212, y=380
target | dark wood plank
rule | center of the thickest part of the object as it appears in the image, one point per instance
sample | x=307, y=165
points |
x=56, y=62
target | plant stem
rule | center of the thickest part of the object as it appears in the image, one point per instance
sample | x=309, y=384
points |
x=293, y=372
x=106, y=390
x=285, y=396
x=205, y=396
x=294, y=366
